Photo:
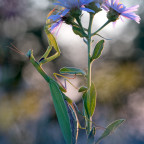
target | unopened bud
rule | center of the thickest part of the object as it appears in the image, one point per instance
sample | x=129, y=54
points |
x=68, y=19
x=75, y=12
x=113, y=15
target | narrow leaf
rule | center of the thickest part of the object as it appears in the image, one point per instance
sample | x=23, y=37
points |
x=61, y=111
x=73, y=121
x=72, y=70
x=82, y=89
x=89, y=98
x=97, y=50
x=93, y=97
x=110, y=128
x=86, y=112
x=78, y=31
x=91, y=136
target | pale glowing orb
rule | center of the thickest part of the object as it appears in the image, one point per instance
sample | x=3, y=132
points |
x=43, y=4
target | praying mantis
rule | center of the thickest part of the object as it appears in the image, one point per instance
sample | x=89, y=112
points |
x=64, y=107
x=65, y=111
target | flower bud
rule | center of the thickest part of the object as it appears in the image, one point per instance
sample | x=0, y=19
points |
x=75, y=12
x=93, y=7
x=68, y=19
x=113, y=15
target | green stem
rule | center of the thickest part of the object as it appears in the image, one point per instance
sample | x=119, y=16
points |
x=101, y=27
x=79, y=22
x=89, y=121
x=79, y=25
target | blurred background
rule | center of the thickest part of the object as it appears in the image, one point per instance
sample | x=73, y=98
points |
x=27, y=114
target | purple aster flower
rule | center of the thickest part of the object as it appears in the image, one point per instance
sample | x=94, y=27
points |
x=117, y=9
x=98, y=3
x=74, y=4
x=64, y=14
x=56, y=20
x=56, y=26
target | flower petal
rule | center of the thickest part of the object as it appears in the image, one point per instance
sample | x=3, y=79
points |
x=122, y=10
x=87, y=9
x=54, y=17
x=65, y=12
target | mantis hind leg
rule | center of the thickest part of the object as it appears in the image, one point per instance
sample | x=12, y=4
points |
x=65, y=79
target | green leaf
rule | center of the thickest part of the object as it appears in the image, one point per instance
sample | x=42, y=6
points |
x=93, y=97
x=91, y=136
x=78, y=31
x=72, y=70
x=97, y=50
x=82, y=89
x=110, y=128
x=61, y=111
x=85, y=109
x=73, y=121
x=62, y=89
x=89, y=98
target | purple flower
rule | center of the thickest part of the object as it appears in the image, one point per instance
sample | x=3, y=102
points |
x=56, y=21
x=55, y=27
x=74, y=4
x=98, y=3
x=121, y=10
x=64, y=14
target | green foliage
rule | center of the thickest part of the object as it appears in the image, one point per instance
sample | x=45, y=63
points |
x=62, y=89
x=110, y=128
x=61, y=111
x=97, y=50
x=73, y=121
x=91, y=136
x=82, y=89
x=89, y=99
x=72, y=70
x=78, y=31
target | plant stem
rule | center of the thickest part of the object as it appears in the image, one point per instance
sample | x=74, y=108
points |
x=101, y=27
x=88, y=121
x=79, y=23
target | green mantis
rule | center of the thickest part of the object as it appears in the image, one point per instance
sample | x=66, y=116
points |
x=63, y=105
x=64, y=108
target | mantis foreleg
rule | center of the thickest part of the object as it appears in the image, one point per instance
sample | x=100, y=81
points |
x=45, y=58
x=52, y=44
